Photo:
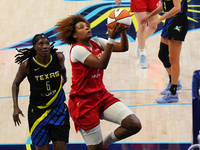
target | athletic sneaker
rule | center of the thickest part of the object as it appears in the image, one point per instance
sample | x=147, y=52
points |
x=168, y=98
x=143, y=62
x=137, y=50
x=163, y=92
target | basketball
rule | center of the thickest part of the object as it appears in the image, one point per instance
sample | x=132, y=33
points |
x=119, y=16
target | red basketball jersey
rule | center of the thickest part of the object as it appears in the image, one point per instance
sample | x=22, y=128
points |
x=88, y=97
x=86, y=80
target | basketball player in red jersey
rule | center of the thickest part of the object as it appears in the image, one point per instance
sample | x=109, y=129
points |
x=141, y=9
x=89, y=101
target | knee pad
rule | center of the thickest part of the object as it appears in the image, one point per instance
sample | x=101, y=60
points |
x=163, y=55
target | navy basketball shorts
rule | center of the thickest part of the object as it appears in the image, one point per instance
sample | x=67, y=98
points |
x=47, y=125
x=175, y=27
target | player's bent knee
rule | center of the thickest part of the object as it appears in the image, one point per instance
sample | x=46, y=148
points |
x=136, y=124
x=132, y=123
x=163, y=55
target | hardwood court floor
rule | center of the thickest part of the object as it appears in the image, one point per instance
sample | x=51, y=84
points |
x=137, y=88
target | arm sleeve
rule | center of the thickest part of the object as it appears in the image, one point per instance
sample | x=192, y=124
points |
x=79, y=54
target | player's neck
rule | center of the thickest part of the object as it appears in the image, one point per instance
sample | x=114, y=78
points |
x=42, y=60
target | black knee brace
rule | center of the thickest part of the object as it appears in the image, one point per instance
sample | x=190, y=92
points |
x=163, y=55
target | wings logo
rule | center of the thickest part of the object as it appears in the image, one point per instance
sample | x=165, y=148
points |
x=178, y=28
x=97, y=15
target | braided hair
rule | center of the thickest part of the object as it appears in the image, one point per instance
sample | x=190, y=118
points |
x=27, y=53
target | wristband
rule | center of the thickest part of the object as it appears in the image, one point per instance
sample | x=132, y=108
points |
x=111, y=41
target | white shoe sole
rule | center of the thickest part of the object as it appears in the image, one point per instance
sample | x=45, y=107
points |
x=143, y=67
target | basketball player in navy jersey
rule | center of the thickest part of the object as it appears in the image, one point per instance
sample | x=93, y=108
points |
x=48, y=115
x=88, y=99
x=173, y=34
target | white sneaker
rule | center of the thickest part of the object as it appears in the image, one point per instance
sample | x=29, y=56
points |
x=143, y=62
x=137, y=50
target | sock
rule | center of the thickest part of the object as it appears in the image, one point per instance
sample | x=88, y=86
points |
x=142, y=52
x=170, y=78
x=111, y=138
x=173, y=89
x=136, y=41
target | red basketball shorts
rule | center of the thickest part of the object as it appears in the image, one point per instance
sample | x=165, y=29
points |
x=85, y=110
x=144, y=5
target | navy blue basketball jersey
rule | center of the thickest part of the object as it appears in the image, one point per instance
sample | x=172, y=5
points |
x=45, y=83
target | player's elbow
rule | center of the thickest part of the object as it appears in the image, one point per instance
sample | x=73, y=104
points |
x=178, y=9
x=15, y=84
x=103, y=66
x=126, y=49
